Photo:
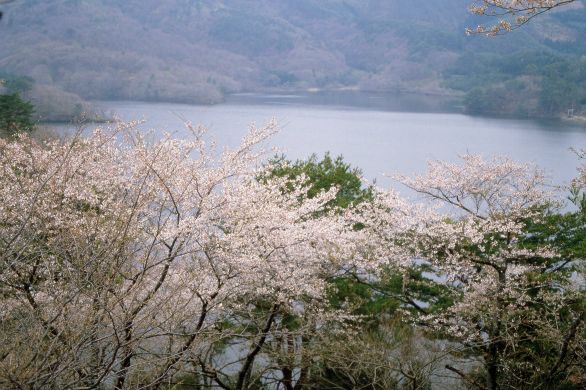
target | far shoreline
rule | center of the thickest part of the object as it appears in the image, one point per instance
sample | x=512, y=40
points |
x=452, y=103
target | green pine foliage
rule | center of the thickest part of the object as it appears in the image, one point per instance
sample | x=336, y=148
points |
x=322, y=175
x=374, y=298
x=15, y=115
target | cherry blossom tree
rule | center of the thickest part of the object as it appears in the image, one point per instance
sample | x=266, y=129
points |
x=128, y=262
x=580, y=181
x=509, y=291
x=512, y=14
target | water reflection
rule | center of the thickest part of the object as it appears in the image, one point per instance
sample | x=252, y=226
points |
x=355, y=100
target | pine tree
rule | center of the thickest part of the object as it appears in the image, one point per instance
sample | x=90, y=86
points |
x=15, y=114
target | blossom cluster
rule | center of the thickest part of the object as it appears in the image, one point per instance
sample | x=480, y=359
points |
x=111, y=244
x=511, y=13
x=125, y=259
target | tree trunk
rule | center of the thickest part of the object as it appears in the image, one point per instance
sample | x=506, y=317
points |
x=128, y=352
x=246, y=367
x=495, y=343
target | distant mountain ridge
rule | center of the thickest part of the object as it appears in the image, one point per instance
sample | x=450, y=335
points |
x=198, y=50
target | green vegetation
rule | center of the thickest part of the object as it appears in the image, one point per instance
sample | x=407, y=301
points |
x=381, y=300
x=197, y=52
x=535, y=84
x=376, y=301
x=51, y=104
x=322, y=175
x=15, y=114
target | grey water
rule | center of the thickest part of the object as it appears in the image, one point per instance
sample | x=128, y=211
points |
x=380, y=134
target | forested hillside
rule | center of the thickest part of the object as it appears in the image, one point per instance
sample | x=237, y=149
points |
x=196, y=51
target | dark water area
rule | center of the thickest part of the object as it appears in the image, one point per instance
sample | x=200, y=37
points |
x=355, y=100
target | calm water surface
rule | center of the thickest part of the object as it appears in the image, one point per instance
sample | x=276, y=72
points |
x=381, y=134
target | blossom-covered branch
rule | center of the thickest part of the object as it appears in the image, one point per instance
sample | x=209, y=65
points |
x=511, y=14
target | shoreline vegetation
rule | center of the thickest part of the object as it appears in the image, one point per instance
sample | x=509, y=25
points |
x=452, y=99
x=54, y=105
x=580, y=119
x=515, y=98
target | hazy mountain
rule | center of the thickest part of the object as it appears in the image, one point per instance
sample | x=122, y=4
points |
x=198, y=50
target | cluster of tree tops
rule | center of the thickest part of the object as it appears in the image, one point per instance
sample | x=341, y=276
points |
x=530, y=84
x=382, y=300
x=161, y=265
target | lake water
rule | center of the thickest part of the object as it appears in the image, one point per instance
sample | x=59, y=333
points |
x=381, y=134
